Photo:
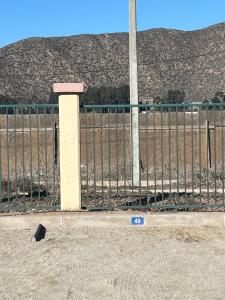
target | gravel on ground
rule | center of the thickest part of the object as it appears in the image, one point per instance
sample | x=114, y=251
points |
x=132, y=263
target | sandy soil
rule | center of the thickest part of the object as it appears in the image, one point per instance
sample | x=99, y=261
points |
x=113, y=264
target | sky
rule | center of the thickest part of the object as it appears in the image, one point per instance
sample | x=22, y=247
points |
x=22, y=19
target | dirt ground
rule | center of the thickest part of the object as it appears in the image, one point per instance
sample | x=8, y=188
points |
x=93, y=263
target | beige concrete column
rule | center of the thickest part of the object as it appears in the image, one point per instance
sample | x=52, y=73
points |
x=69, y=136
x=134, y=92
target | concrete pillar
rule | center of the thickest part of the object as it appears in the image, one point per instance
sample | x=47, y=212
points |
x=134, y=92
x=69, y=139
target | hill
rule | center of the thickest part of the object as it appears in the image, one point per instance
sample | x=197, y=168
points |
x=193, y=61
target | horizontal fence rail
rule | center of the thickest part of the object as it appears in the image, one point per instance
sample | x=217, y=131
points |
x=181, y=150
x=29, y=171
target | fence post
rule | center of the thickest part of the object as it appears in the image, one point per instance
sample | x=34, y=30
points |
x=208, y=146
x=69, y=144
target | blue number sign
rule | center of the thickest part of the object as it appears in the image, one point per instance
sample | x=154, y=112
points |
x=137, y=221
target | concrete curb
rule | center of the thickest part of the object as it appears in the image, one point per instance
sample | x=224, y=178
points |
x=111, y=220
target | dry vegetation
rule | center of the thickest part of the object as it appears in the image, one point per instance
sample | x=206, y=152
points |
x=170, y=172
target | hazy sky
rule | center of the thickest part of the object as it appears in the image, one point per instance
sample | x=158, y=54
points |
x=27, y=18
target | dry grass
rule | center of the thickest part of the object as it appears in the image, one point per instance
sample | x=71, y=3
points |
x=106, y=156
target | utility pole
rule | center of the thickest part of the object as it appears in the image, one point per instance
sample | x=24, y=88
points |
x=134, y=92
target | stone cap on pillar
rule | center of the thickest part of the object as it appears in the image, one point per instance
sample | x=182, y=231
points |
x=68, y=88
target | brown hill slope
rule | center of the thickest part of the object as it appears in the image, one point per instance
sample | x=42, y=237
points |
x=193, y=61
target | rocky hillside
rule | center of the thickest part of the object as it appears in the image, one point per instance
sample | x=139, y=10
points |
x=193, y=61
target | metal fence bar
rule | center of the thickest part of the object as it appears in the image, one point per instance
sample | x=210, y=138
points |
x=1, y=172
x=31, y=157
x=192, y=155
x=124, y=158
x=215, y=155
x=132, y=155
x=208, y=166
x=147, y=150
x=169, y=143
x=177, y=159
x=200, y=155
x=223, y=153
x=23, y=158
x=15, y=156
x=109, y=155
x=86, y=151
x=162, y=155
x=142, y=128
x=117, y=155
x=154, y=155
x=38, y=154
x=94, y=156
x=140, y=163
x=46, y=156
x=54, y=154
x=102, y=154
x=7, y=152
x=184, y=154
x=155, y=106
